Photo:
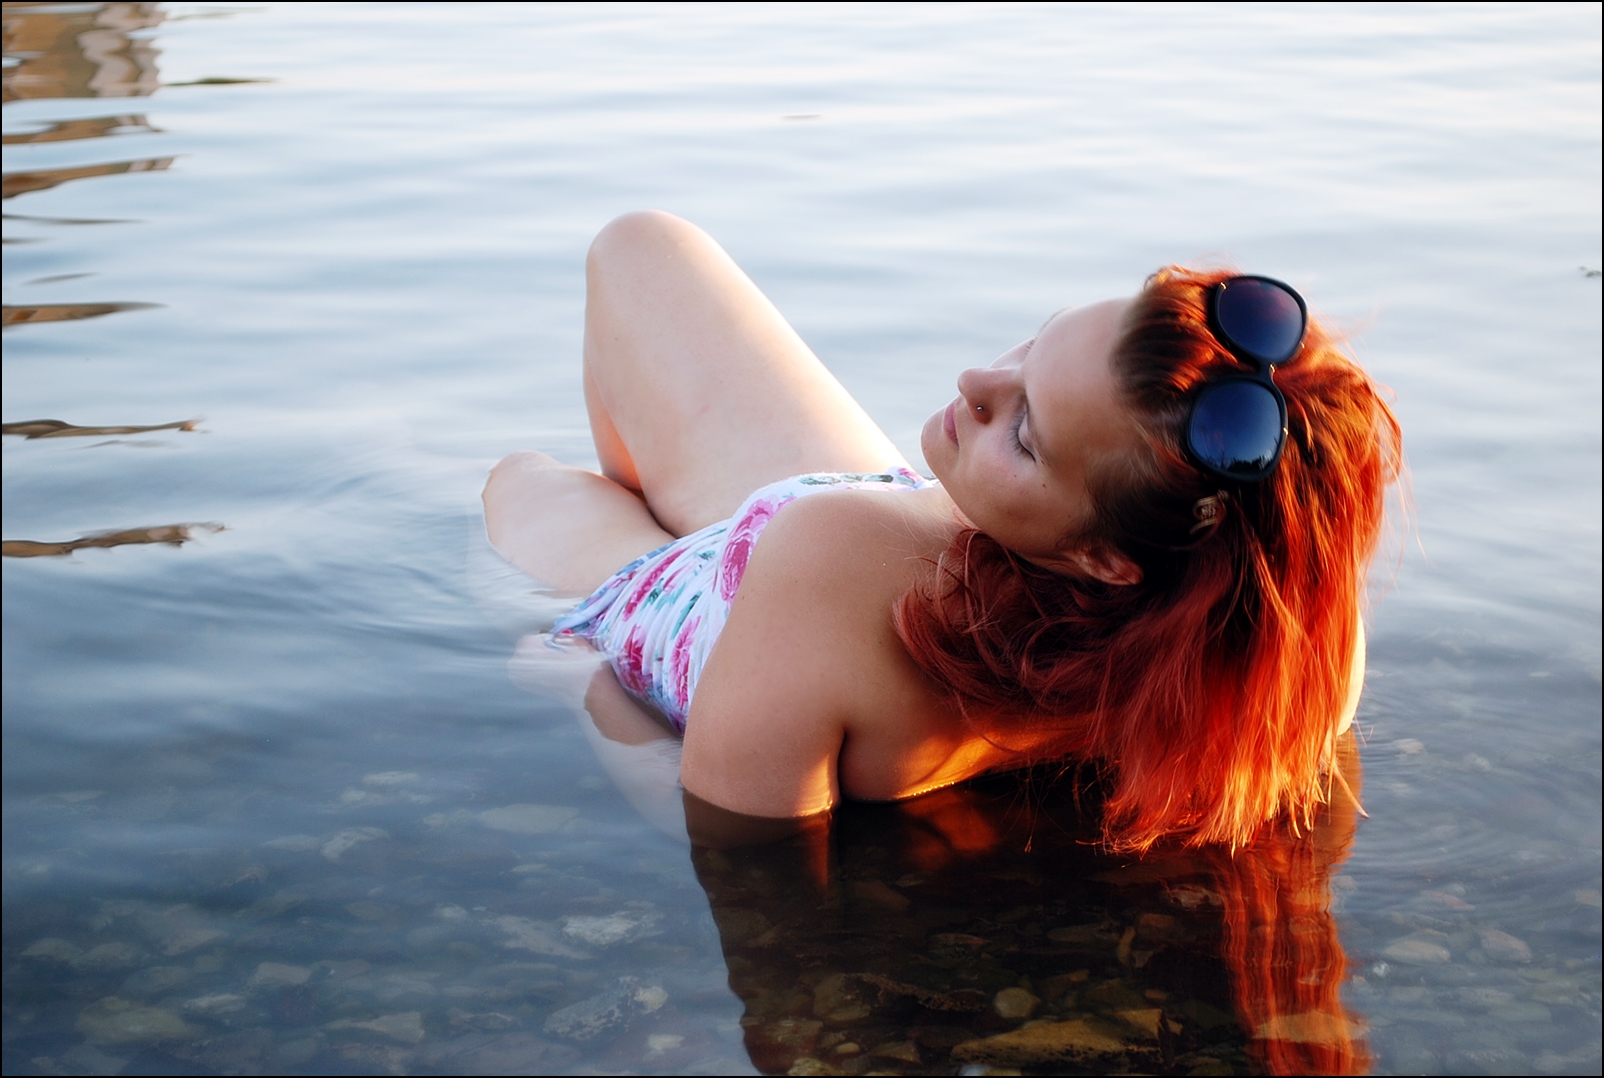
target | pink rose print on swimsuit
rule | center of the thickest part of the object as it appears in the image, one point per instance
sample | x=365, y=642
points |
x=630, y=665
x=679, y=663
x=743, y=537
x=649, y=581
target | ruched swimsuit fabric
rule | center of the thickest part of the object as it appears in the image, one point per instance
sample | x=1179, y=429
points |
x=657, y=619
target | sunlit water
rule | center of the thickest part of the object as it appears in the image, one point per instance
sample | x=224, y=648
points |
x=272, y=801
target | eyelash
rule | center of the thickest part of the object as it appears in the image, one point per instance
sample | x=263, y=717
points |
x=1019, y=421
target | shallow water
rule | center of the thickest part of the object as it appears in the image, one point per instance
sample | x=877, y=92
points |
x=273, y=803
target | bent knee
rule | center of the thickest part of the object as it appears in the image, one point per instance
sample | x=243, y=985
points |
x=526, y=460
x=515, y=465
x=636, y=231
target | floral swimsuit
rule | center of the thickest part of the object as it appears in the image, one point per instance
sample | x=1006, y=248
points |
x=658, y=617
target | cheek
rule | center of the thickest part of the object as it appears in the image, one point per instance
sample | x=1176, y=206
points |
x=934, y=445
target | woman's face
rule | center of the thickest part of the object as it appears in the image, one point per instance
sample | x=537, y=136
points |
x=1015, y=449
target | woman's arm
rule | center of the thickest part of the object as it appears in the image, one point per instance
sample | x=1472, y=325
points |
x=637, y=751
x=769, y=718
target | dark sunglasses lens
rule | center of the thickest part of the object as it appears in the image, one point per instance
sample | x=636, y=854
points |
x=1261, y=318
x=1236, y=428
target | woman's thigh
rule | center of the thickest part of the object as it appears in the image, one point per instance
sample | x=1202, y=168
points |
x=699, y=391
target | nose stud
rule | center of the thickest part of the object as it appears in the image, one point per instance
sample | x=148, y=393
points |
x=980, y=407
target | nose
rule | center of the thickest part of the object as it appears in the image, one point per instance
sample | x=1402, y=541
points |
x=983, y=388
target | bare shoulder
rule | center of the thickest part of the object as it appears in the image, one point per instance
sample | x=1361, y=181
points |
x=808, y=635
x=850, y=536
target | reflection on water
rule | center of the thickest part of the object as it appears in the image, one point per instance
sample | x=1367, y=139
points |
x=55, y=428
x=79, y=50
x=980, y=926
x=22, y=183
x=170, y=534
x=72, y=130
x=76, y=51
x=271, y=803
x=64, y=312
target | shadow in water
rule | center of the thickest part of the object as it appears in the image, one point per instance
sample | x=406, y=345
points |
x=981, y=927
x=171, y=534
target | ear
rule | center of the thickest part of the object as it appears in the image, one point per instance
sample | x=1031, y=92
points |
x=1098, y=562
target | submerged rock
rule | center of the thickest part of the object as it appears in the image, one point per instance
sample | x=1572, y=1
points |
x=528, y=819
x=807, y=1065
x=625, y=926
x=1083, y=1042
x=1084, y=935
x=737, y=926
x=536, y=936
x=1113, y=996
x=1420, y=949
x=1502, y=947
x=109, y=956
x=155, y=979
x=1158, y=927
x=1142, y=1021
x=1204, y=1016
x=837, y=1000
x=1015, y=1004
x=187, y=939
x=342, y=842
x=878, y=893
x=845, y=998
x=87, y=1058
x=279, y=975
x=115, y=1020
x=294, y=843
x=901, y=1051
x=774, y=1045
x=216, y=1003
x=606, y=1011
x=500, y=1053
x=406, y=1027
x=52, y=949
x=1311, y=1027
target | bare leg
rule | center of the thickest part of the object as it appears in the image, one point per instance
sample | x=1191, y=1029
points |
x=699, y=391
x=566, y=526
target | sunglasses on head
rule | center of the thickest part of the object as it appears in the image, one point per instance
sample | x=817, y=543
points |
x=1238, y=424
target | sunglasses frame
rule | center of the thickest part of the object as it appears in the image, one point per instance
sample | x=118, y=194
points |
x=1263, y=375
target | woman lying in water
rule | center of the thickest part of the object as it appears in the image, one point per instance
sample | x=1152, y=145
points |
x=1139, y=549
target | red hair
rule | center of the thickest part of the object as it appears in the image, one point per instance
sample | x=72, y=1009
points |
x=1281, y=943
x=1208, y=691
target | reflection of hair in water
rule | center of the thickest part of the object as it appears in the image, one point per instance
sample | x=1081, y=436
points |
x=880, y=930
x=1208, y=689
x=1287, y=964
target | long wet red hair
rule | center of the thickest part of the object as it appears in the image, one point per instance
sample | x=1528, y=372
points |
x=1209, y=691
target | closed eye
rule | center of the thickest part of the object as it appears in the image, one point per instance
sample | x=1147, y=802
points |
x=1019, y=423
x=1024, y=406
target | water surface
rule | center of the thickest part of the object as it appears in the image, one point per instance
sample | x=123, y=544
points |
x=272, y=801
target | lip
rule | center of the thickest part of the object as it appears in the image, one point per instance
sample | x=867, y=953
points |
x=949, y=423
